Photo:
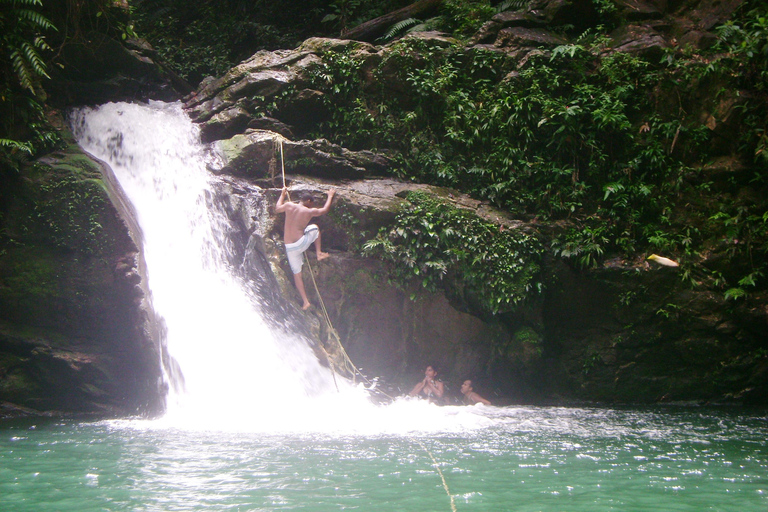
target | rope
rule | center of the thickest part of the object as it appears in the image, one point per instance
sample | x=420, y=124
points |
x=439, y=472
x=349, y=365
x=354, y=371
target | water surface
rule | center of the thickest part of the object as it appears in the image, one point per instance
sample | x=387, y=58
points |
x=258, y=424
x=492, y=459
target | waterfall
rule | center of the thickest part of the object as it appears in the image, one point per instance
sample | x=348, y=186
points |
x=230, y=358
x=240, y=371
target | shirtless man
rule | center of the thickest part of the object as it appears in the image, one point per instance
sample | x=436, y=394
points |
x=470, y=397
x=298, y=234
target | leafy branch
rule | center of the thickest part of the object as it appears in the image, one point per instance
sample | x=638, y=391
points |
x=432, y=240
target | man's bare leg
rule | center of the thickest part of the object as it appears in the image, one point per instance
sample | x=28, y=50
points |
x=320, y=254
x=300, y=286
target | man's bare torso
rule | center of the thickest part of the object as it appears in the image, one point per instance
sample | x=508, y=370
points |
x=297, y=217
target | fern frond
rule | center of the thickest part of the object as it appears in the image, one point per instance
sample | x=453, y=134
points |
x=26, y=3
x=16, y=145
x=21, y=67
x=399, y=27
x=511, y=4
x=37, y=19
x=34, y=60
x=421, y=27
x=430, y=24
x=41, y=43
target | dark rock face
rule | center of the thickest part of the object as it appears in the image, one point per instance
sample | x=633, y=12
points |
x=603, y=335
x=256, y=154
x=647, y=27
x=76, y=332
x=519, y=36
x=619, y=336
x=639, y=39
x=616, y=334
x=107, y=70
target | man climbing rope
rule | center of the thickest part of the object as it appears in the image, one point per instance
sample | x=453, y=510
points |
x=298, y=234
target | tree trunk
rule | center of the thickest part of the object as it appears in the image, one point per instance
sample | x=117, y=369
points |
x=372, y=29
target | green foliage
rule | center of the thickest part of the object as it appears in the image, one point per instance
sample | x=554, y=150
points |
x=669, y=311
x=342, y=13
x=585, y=246
x=602, y=142
x=748, y=37
x=511, y=5
x=22, y=40
x=590, y=362
x=608, y=12
x=431, y=239
x=465, y=17
x=400, y=28
x=14, y=145
x=207, y=37
x=23, y=128
x=544, y=142
x=69, y=214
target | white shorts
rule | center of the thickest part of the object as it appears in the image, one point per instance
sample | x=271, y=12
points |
x=295, y=251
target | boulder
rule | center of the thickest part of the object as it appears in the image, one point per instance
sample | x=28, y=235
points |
x=265, y=75
x=641, y=10
x=255, y=155
x=272, y=125
x=109, y=70
x=225, y=124
x=643, y=40
x=519, y=36
x=506, y=19
x=77, y=332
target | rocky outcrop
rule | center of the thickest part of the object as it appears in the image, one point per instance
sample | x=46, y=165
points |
x=77, y=335
x=608, y=334
x=627, y=332
x=276, y=87
x=106, y=69
x=76, y=331
x=225, y=106
x=645, y=27
x=261, y=154
x=389, y=332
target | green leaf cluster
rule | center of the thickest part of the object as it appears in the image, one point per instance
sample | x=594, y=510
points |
x=207, y=37
x=603, y=143
x=22, y=26
x=23, y=128
x=431, y=240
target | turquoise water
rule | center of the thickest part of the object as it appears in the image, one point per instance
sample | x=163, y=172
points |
x=514, y=458
x=260, y=425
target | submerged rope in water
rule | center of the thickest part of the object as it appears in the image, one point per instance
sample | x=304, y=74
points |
x=439, y=472
x=350, y=367
x=355, y=371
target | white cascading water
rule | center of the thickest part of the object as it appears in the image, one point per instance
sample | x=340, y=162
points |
x=238, y=374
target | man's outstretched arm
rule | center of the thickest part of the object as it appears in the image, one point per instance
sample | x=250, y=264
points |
x=322, y=211
x=280, y=206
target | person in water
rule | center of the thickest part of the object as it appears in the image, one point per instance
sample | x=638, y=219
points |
x=429, y=387
x=470, y=397
x=299, y=234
